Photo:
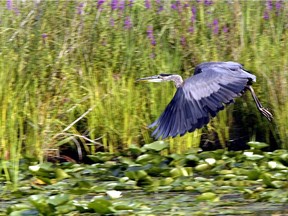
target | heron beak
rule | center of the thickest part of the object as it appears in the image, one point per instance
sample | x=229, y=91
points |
x=150, y=79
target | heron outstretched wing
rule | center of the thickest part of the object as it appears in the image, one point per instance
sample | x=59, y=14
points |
x=201, y=97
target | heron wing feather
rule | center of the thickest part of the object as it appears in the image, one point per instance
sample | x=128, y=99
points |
x=200, y=97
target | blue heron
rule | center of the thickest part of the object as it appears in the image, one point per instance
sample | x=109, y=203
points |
x=202, y=96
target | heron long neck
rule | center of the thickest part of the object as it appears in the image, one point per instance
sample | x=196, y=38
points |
x=177, y=79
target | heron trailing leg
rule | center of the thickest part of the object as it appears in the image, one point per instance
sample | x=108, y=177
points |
x=263, y=110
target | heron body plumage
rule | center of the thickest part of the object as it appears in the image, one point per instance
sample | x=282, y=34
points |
x=202, y=96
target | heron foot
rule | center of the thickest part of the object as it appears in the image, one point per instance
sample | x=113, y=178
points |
x=266, y=113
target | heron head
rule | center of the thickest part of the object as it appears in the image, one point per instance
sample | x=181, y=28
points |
x=177, y=79
x=155, y=78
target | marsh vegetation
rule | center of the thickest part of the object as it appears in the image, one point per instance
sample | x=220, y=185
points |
x=67, y=81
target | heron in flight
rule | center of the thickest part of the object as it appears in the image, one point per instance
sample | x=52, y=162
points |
x=202, y=96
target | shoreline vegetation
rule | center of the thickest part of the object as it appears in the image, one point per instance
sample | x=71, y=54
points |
x=68, y=71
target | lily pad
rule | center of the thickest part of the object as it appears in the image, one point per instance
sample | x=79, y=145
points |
x=58, y=199
x=156, y=146
x=208, y=196
x=257, y=145
x=101, y=206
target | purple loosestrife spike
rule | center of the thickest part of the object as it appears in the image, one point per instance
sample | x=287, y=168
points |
x=17, y=12
x=176, y=6
x=131, y=3
x=173, y=6
x=147, y=4
x=99, y=3
x=161, y=8
x=128, y=23
x=269, y=5
x=122, y=5
x=208, y=2
x=193, y=17
x=183, y=41
x=44, y=35
x=191, y=29
x=278, y=6
x=9, y=4
x=80, y=8
x=150, y=35
x=112, y=23
x=215, y=26
x=194, y=10
x=114, y=4
x=266, y=15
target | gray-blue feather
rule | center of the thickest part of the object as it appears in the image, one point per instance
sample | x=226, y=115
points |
x=201, y=97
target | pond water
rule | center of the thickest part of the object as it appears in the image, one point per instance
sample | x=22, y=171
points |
x=183, y=203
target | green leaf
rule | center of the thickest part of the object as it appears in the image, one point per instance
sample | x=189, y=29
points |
x=257, y=145
x=58, y=199
x=66, y=208
x=156, y=146
x=61, y=174
x=208, y=196
x=123, y=207
x=101, y=206
x=276, y=165
x=253, y=157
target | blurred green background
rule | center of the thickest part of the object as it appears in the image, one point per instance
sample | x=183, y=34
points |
x=68, y=71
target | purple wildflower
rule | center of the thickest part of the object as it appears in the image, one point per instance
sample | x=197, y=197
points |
x=225, y=29
x=183, y=41
x=112, y=23
x=128, y=23
x=131, y=3
x=9, y=4
x=147, y=4
x=269, y=5
x=16, y=10
x=121, y=5
x=80, y=8
x=266, y=15
x=191, y=29
x=44, y=35
x=150, y=35
x=114, y=4
x=161, y=8
x=208, y=2
x=176, y=6
x=193, y=10
x=215, y=26
x=99, y=3
x=278, y=5
x=173, y=6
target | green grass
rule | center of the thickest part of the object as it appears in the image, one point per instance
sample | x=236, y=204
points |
x=57, y=64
